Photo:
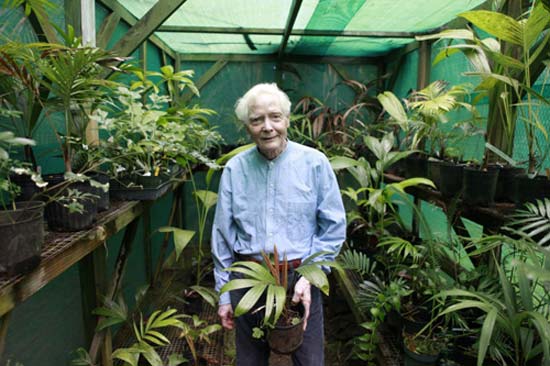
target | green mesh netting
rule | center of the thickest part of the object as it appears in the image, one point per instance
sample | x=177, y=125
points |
x=334, y=15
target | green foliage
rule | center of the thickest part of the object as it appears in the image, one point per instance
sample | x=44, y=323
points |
x=376, y=299
x=197, y=331
x=507, y=65
x=515, y=326
x=534, y=221
x=423, y=113
x=271, y=278
x=150, y=130
x=357, y=262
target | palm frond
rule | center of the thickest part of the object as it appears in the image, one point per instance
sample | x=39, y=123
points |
x=358, y=262
x=534, y=221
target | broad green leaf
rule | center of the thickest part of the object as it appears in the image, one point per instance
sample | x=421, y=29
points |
x=208, y=294
x=239, y=283
x=393, y=106
x=315, y=275
x=207, y=198
x=124, y=354
x=342, y=162
x=181, y=238
x=497, y=24
x=152, y=357
x=249, y=299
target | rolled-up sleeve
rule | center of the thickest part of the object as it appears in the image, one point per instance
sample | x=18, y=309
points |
x=331, y=215
x=223, y=234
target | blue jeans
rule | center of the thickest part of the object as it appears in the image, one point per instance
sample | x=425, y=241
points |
x=255, y=352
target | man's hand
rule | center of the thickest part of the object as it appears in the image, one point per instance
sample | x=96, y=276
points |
x=302, y=293
x=225, y=312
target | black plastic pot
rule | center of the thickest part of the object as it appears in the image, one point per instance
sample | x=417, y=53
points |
x=103, y=203
x=416, y=165
x=59, y=217
x=22, y=233
x=451, y=179
x=418, y=359
x=434, y=172
x=531, y=189
x=139, y=188
x=29, y=189
x=479, y=186
x=287, y=339
x=506, y=184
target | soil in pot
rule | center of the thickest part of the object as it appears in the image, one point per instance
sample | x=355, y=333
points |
x=451, y=179
x=22, y=233
x=419, y=351
x=479, y=186
x=288, y=334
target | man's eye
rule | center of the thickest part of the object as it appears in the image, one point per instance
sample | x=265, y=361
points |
x=276, y=117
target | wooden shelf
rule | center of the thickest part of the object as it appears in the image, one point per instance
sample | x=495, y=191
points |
x=62, y=250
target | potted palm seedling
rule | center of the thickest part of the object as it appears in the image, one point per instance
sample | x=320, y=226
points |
x=282, y=319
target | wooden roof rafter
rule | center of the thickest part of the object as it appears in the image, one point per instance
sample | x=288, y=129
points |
x=294, y=9
x=129, y=18
x=293, y=32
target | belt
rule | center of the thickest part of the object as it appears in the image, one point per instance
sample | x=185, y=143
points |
x=292, y=263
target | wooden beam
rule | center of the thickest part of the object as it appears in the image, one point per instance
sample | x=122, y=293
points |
x=424, y=64
x=42, y=26
x=204, y=79
x=148, y=242
x=72, y=15
x=144, y=27
x=340, y=71
x=273, y=58
x=293, y=32
x=294, y=9
x=129, y=18
x=87, y=21
x=107, y=29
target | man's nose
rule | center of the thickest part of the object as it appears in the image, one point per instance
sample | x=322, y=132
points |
x=267, y=126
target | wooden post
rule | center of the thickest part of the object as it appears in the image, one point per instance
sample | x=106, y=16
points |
x=147, y=242
x=423, y=78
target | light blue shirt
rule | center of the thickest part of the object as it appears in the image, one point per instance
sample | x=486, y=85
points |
x=292, y=201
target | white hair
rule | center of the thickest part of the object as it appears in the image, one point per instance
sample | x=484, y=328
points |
x=242, y=106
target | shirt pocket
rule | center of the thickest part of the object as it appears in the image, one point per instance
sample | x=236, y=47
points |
x=300, y=220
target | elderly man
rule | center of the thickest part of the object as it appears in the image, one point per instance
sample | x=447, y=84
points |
x=279, y=193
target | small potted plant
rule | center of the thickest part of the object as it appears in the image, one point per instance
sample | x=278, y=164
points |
x=282, y=319
x=21, y=223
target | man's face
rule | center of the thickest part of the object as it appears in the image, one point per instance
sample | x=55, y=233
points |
x=267, y=125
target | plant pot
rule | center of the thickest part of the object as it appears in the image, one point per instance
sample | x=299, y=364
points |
x=531, y=189
x=434, y=172
x=59, y=217
x=416, y=165
x=103, y=203
x=479, y=186
x=29, y=189
x=417, y=359
x=507, y=184
x=451, y=179
x=139, y=188
x=22, y=233
x=287, y=339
